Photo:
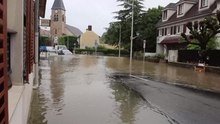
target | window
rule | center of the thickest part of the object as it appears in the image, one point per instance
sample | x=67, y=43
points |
x=63, y=18
x=180, y=9
x=174, y=31
x=160, y=32
x=165, y=15
x=168, y=31
x=179, y=29
x=55, y=31
x=55, y=18
x=171, y=30
x=165, y=31
x=204, y=3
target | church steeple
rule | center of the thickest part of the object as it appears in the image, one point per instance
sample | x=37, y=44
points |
x=58, y=5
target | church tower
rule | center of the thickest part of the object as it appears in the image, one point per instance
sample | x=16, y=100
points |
x=58, y=20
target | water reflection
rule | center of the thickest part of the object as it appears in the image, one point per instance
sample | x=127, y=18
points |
x=128, y=103
x=165, y=73
x=80, y=90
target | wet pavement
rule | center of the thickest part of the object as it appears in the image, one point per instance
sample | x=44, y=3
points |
x=84, y=90
x=183, y=105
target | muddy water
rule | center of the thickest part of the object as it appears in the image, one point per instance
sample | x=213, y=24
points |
x=80, y=90
x=166, y=73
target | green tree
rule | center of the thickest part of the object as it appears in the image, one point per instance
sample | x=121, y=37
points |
x=111, y=36
x=148, y=27
x=70, y=41
x=202, y=32
x=144, y=24
x=44, y=41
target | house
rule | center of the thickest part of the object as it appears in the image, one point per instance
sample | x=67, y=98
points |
x=89, y=39
x=18, y=57
x=175, y=16
x=57, y=23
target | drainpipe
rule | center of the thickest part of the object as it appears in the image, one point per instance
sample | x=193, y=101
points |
x=36, y=69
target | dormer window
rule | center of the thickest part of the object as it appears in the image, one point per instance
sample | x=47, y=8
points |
x=180, y=9
x=165, y=15
x=204, y=3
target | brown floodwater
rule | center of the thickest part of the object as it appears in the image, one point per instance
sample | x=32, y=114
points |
x=81, y=90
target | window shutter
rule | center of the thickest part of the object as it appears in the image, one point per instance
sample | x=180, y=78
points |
x=30, y=36
x=3, y=63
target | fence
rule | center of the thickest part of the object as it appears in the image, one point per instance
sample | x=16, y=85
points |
x=192, y=56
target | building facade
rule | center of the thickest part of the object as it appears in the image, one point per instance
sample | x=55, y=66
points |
x=89, y=39
x=58, y=26
x=175, y=16
x=19, y=62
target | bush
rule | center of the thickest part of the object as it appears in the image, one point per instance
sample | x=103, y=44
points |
x=113, y=52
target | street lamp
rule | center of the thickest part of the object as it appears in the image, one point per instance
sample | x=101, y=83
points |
x=132, y=30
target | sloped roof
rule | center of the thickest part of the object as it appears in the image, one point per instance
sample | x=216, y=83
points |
x=191, y=1
x=170, y=6
x=58, y=4
x=192, y=14
x=74, y=30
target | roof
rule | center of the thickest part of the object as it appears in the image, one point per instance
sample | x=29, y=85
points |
x=58, y=4
x=171, y=40
x=170, y=6
x=192, y=14
x=188, y=1
x=74, y=30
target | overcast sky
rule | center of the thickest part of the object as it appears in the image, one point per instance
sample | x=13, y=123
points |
x=98, y=13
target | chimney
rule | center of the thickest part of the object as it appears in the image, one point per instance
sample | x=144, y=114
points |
x=90, y=28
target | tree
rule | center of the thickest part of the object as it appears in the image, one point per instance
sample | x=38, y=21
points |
x=202, y=32
x=70, y=41
x=44, y=41
x=148, y=29
x=144, y=24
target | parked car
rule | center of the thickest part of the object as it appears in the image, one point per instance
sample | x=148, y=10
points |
x=62, y=50
x=50, y=49
x=43, y=48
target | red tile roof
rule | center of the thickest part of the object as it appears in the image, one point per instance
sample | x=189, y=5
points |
x=171, y=40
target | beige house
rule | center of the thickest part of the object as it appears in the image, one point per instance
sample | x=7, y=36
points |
x=89, y=39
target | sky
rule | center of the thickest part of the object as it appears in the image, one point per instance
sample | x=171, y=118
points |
x=98, y=13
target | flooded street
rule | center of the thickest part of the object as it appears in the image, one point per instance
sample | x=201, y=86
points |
x=82, y=90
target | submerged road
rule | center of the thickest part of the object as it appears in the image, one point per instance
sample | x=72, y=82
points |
x=88, y=90
x=182, y=105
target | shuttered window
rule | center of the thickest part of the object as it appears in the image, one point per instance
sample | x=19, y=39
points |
x=29, y=42
x=3, y=63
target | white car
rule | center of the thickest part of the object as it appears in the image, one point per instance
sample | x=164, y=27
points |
x=66, y=52
x=50, y=49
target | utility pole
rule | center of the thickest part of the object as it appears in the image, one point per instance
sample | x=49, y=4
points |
x=132, y=31
x=119, y=44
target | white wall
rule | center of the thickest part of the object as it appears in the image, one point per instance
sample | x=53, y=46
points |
x=15, y=22
x=19, y=115
x=172, y=55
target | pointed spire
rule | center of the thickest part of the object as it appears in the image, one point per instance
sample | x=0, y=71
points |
x=58, y=4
